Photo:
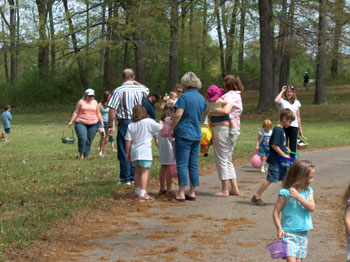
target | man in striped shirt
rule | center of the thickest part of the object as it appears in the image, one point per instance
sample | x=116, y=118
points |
x=123, y=99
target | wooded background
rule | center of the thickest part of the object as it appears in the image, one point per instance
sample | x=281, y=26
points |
x=51, y=50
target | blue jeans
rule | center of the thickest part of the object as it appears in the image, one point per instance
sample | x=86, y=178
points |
x=187, y=159
x=127, y=172
x=85, y=134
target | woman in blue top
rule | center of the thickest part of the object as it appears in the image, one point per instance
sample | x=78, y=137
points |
x=186, y=129
x=296, y=202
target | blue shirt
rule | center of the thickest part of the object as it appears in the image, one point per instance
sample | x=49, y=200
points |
x=278, y=138
x=189, y=126
x=151, y=111
x=6, y=117
x=295, y=218
x=104, y=113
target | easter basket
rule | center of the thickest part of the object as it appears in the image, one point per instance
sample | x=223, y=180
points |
x=287, y=162
x=277, y=249
x=67, y=139
x=302, y=143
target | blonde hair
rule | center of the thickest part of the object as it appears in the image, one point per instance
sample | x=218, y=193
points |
x=138, y=113
x=267, y=124
x=233, y=82
x=190, y=80
x=298, y=175
x=346, y=195
x=294, y=96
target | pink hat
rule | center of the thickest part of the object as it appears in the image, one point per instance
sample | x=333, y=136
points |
x=214, y=93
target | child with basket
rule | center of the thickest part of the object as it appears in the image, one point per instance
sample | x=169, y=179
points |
x=138, y=147
x=262, y=143
x=166, y=153
x=276, y=172
x=295, y=202
x=346, y=200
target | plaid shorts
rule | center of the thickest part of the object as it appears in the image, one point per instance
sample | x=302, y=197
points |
x=297, y=244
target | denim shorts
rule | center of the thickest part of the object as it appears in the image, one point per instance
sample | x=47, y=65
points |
x=8, y=131
x=276, y=173
x=142, y=163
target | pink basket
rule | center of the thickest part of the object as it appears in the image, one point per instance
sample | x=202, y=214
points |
x=164, y=132
x=173, y=171
x=277, y=249
x=256, y=161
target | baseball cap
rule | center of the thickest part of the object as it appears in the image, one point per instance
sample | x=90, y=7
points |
x=90, y=92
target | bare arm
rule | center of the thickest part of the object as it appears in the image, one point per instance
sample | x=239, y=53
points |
x=308, y=204
x=127, y=149
x=347, y=220
x=111, y=120
x=75, y=114
x=279, y=151
x=226, y=109
x=299, y=123
x=258, y=142
x=276, y=215
x=99, y=116
x=176, y=118
x=279, y=96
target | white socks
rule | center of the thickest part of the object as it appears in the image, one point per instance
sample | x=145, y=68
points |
x=137, y=190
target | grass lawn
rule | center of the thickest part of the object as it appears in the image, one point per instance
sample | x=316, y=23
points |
x=43, y=182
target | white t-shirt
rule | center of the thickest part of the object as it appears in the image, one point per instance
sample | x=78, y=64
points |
x=141, y=134
x=293, y=107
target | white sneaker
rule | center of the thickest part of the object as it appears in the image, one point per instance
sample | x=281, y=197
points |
x=262, y=170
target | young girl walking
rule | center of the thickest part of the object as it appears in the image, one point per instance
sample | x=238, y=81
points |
x=295, y=202
x=138, y=147
x=105, y=138
x=346, y=200
x=262, y=143
x=166, y=152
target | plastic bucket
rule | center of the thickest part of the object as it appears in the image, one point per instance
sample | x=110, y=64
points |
x=277, y=249
x=256, y=161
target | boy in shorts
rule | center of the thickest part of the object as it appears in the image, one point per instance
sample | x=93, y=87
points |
x=6, y=117
x=278, y=148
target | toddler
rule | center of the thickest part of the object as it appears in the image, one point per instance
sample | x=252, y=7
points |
x=262, y=143
x=166, y=152
x=346, y=200
x=138, y=147
x=295, y=202
x=215, y=101
x=6, y=118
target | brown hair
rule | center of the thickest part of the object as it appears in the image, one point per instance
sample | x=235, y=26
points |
x=7, y=107
x=288, y=114
x=346, y=195
x=267, y=123
x=168, y=111
x=298, y=175
x=104, y=100
x=294, y=96
x=233, y=82
x=138, y=113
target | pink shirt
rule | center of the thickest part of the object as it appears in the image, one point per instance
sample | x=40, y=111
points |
x=87, y=113
x=234, y=98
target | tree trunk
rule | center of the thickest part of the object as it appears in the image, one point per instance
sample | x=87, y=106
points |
x=107, y=56
x=13, y=48
x=267, y=92
x=102, y=37
x=241, y=35
x=320, y=91
x=4, y=49
x=43, y=55
x=173, y=55
x=339, y=18
x=204, y=37
x=52, y=37
x=230, y=39
x=75, y=45
x=221, y=45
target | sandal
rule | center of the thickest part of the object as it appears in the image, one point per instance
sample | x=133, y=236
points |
x=233, y=193
x=257, y=201
x=145, y=198
x=162, y=192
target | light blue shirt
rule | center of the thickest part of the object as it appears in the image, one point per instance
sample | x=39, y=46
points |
x=6, y=117
x=104, y=113
x=295, y=218
x=189, y=126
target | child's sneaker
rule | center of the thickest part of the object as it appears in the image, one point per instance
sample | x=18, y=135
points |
x=262, y=169
x=257, y=201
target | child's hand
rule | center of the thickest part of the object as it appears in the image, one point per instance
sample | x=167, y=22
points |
x=294, y=193
x=257, y=148
x=280, y=233
x=128, y=157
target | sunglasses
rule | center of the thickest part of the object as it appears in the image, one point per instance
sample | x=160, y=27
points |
x=91, y=96
x=290, y=87
x=179, y=91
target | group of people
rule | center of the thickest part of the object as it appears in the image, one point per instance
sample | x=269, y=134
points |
x=178, y=137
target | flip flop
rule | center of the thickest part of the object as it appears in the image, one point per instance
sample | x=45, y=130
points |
x=187, y=197
x=220, y=194
x=233, y=194
x=177, y=199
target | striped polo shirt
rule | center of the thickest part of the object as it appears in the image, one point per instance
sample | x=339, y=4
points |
x=125, y=97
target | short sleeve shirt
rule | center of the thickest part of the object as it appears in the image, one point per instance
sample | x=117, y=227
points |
x=189, y=126
x=295, y=218
x=234, y=98
x=278, y=138
x=151, y=111
x=293, y=107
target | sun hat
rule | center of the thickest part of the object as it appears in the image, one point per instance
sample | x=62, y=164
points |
x=214, y=93
x=90, y=92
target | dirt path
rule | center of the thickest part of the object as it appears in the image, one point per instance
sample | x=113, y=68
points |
x=209, y=229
